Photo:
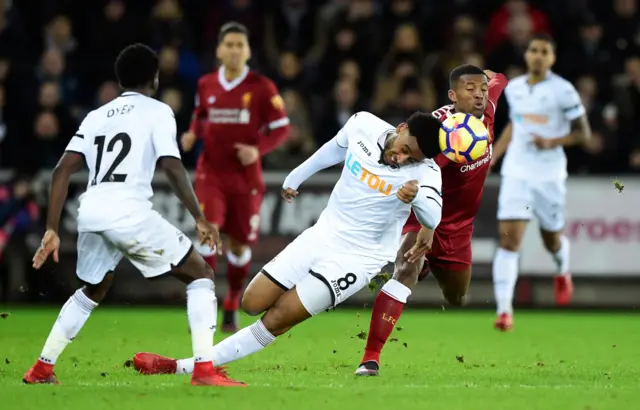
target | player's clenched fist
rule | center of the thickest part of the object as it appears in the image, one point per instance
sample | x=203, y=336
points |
x=408, y=191
x=423, y=244
x=208, y=234
x=188, y=140
x=288, y=194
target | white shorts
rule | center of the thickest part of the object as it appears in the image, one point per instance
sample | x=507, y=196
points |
x=152, y=245
x=324, y=272
x=521, y=199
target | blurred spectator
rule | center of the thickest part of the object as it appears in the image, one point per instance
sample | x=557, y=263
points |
x=170, y=75
x=409, y=100
x=623, y=31
x=289, y=73
x=46, y=144
x=345, y=103
x=52, y=68
x=293, y=25
x=300, y=143
x=511, y=51
x=49, y=100
x=18, y=216
x=500, y=27
x=173, y=98
x=108, y=91
x=58, y=34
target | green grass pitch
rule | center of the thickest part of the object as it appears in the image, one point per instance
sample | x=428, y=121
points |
x=442, y=359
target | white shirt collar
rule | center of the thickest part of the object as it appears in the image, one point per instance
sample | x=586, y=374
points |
x=230, y=85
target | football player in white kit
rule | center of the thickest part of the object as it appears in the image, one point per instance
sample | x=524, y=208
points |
x=120, y=143
x=355, y=236
x=546, y=115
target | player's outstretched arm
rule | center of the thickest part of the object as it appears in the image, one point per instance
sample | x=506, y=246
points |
x=181, y=185
x=329, y=154
x=69, y=164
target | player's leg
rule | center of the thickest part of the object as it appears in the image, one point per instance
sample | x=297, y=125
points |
x=214, y=208
x=450, y=262
x=515, y=208
x=242, y=229
x=155, y=247
x=276, y=278
x=97, y=259
x=549, y=209
x=388, y=306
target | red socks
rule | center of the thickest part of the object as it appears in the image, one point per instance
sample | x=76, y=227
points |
x=237, y=271
x=386, y=312
x=235, y=277
x=212, y=261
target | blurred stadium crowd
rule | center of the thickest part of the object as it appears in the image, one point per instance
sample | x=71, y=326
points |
x=329, y=58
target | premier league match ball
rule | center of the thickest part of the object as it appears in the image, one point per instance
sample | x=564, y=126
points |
x=463, y=138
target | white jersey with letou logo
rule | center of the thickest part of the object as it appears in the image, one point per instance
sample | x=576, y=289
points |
x=121, y=142
x=363, y=210
x=545, y=109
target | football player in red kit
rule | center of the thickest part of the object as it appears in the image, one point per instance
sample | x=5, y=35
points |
x=472, y=91
x=239, y=116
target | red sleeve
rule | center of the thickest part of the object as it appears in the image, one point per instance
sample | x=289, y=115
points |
x=199, y=113
x=496, y=86
x=274, y=119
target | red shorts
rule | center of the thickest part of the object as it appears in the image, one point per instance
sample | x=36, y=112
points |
x=451, y=248
x=236, y=214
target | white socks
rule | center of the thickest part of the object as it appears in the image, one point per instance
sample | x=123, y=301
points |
x=201, y=310
x=561, y=258
x=396, y=290
x=505, y=275
x=247, y=341
x=72, y=317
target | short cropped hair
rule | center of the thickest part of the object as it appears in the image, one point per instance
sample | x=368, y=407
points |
x=425, y=128
x=136, y=66
x=544, y=37
x=232, y=27
x=465, y=69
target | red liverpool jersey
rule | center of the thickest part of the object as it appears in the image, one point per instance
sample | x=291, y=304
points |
x=247, y=110
x=462, y=184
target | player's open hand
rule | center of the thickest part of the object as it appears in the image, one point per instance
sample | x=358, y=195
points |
x=423, y=244
x=544, y=143
x=50, y=245
x=188, y=140
x=247, y=154
x=408, y=191
x=208, y=234
x=288, y=194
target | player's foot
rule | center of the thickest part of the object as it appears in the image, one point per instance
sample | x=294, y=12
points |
x=504, y=322
x=151, y=363
x=563, y=289
x=230, y=321
x=40, y=373
x=369, y=368
x=204, y=374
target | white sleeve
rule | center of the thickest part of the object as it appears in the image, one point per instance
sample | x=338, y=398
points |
x=331, y=153
x=427, y=205
x=570, y=102
x=78, y=142
x=164, y=136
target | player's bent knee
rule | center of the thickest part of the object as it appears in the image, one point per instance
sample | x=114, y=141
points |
x=261, y=294
x=98, y=291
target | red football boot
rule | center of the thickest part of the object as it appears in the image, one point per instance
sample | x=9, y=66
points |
x=151, y=363
x=563, y=289
x=40, y=373
x=204, y=374
x=504, y=322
